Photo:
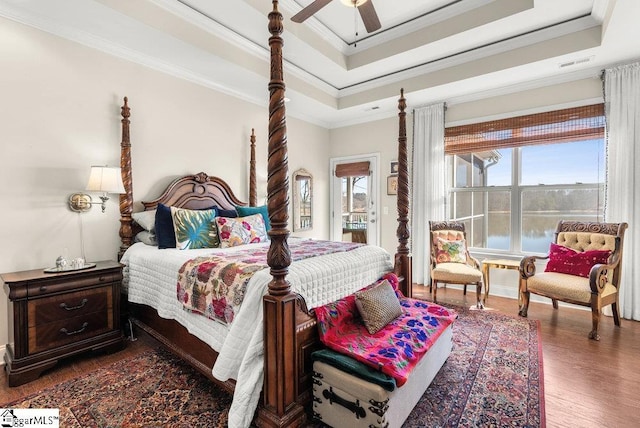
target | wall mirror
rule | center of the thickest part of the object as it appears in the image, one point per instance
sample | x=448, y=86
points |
x=302, y=200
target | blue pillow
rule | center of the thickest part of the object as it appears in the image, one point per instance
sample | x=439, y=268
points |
x=226, y=213
x=165, y=234
x=247, y=211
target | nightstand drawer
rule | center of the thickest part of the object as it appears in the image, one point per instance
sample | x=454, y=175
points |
x=70, y=305
x=58, y=333
x=56, y=285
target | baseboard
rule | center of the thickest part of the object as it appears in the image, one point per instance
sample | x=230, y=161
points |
x=511, y=292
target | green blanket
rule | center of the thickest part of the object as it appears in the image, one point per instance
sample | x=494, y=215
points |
x=349, y=365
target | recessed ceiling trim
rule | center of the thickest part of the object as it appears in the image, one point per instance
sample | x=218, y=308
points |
x=212, y=26
x=551, y=31
x=486, y=65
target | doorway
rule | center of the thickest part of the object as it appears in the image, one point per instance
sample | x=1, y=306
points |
x=354, y=194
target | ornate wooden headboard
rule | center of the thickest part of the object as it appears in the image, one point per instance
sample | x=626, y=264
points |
x=196, y=192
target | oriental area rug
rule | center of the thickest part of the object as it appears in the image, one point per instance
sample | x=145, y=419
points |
x=493, y=378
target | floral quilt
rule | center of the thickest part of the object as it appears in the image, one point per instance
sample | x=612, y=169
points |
x=394, y=350
x=215, y=285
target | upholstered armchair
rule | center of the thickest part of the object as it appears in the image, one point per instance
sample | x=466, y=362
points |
x=451, y=262
x=583, y=268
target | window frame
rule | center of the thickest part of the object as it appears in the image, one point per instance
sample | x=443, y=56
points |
x=516, y=191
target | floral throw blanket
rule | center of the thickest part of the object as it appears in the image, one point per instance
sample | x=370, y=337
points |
x=215, y=285
x=394, y=350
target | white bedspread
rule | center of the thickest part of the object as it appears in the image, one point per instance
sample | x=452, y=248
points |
x=151, y=275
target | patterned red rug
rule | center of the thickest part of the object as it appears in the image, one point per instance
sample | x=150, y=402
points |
x=493, y=378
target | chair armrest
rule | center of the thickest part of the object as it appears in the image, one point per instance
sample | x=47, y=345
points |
x=528, y=266
x=598, y=277
x=472, y=261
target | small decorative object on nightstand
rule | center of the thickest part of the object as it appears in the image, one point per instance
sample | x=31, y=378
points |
x=56, y=315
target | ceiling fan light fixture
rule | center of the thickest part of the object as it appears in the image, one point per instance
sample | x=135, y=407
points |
x=352, y=3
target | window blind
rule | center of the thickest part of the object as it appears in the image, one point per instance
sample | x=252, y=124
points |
x=559, y=126
x=353, y=169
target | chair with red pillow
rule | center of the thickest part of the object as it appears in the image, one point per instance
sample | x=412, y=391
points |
x=451, y=262
x=583, y=268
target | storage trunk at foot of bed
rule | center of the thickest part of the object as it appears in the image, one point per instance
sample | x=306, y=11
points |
x=201, y=356
x=341, y=399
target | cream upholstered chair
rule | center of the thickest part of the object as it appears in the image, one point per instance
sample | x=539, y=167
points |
x=451, y=262
x=571, y=276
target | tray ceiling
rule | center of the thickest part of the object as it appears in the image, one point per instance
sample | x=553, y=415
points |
x=437, y=50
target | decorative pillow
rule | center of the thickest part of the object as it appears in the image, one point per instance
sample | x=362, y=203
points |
x=232, y=213
x=262, y=210
x=165, y=234
x=378, y=306
x=567, y=260
x=195, y=228
x=146, y=219
x=147, y=237
x=241, y=230
x=451, y=251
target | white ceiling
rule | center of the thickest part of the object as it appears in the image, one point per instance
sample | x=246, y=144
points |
x=437, y=50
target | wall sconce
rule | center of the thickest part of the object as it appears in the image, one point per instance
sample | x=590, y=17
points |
x=102, y=179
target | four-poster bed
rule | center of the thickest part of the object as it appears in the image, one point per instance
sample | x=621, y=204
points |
x=289, y=328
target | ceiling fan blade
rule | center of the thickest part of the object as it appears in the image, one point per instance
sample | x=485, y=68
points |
x=309, y=10
x=369, y=16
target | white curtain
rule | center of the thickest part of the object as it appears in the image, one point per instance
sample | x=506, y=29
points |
x=428, y=186
x=622, y=198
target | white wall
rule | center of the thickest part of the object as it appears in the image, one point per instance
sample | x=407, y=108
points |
x=376, y=137
x=60, y=114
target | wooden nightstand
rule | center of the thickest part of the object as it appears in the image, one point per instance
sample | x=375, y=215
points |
x=56, y=315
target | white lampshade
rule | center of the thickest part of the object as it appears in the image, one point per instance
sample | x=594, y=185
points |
x=105, y=179
x=352, y=3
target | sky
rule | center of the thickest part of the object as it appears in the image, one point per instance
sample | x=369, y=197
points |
x=553, y=164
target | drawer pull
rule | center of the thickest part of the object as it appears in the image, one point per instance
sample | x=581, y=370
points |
x=73, y=308
x=43, y=288
x=71, y=333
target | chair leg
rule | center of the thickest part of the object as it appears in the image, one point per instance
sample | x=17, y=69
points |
x=465, y=290
x=595, y=320
x=524, y=308
x=555, y=303
x=434, y=285
x=479, y=304
x=616, y=312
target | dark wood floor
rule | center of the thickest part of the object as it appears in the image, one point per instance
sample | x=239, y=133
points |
x=587, y=383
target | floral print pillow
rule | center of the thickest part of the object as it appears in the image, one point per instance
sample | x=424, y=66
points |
x=451, y=251
x=241, y=230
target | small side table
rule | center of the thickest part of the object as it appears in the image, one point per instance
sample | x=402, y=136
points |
x=56, y=315
x=498, y=264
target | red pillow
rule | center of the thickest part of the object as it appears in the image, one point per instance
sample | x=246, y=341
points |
x=566, y=260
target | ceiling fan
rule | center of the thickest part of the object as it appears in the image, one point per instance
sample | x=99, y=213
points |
x=365, y=7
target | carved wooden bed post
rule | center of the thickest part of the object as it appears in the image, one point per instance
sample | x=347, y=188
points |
x=253, y=193
x=126, y=199
x=402, y=266
x=280, y=408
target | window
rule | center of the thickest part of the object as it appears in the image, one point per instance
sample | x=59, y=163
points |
x=355, y=185
x=512, y=180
